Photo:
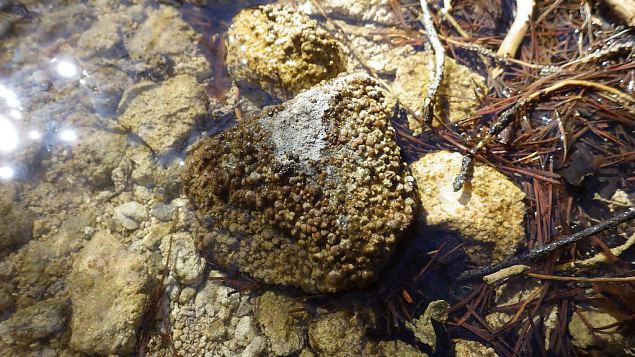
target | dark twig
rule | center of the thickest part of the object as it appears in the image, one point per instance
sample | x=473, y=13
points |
x=439, y=61
x=546, y=249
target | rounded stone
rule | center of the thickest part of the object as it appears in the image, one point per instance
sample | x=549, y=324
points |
x=296, y=197
x=488, y=212
x=280, y=51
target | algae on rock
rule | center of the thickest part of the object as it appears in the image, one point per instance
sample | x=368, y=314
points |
x=613, y=341
x=337, y=334
x=280, y=51
x=313, y=194
x=468, y=348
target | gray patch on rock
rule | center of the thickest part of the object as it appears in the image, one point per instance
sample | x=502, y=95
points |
x=130, y=214
x=162, y=212
x=295, y=131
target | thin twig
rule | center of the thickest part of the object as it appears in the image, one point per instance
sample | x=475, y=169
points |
x=548, y=248
x=439, y=61
x=582, y=279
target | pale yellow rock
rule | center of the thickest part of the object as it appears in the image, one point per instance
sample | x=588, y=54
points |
x=513, y=292
x=456, y=98
x=109, y=288
x=489, y=212
x=422, y=327
x=283, y=321
x=392, y=348
x=610, y=342
x=164, y=114
x=467, y=348
x=165, y=33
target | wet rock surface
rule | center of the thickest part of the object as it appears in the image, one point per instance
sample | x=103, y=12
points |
x=283, y=321
x=109, y=289
x=468, y=348
x=313, y=194
x=36, y=322
x=280, y=51
x=489, y=213
x=110, y=94
x=130, y=214
x=337, y=334
x=16, y=223
x=164, y=115
x=608, y=342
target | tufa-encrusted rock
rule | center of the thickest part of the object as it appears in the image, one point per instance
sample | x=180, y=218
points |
x=489, y=212
x=280, y=51
x=337, y=334
x=313, y=194
x=613, y=341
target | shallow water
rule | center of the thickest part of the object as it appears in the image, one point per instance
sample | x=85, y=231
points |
x=99, y=103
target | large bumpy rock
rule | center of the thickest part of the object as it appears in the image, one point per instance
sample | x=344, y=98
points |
x=280, y=51
x=489, y=212
x=313, y=194
x=110, y=291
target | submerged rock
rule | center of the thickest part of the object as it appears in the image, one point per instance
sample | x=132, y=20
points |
x=109, y=289
x=164, y=114
x=456, y=98
x=187, y=264
x=392, y=348
x=280, y=51
x=131, y=214
x=337, y=334
x=164, y=45
x=35, y=322
x=313, y=194
x=422, y=327
x=468, y=348
x=489, y=212
x=614, y=341
x=284, y=322
x=104, y=38
x=17, y=225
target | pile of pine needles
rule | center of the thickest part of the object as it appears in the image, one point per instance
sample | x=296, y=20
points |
x=567, y=139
